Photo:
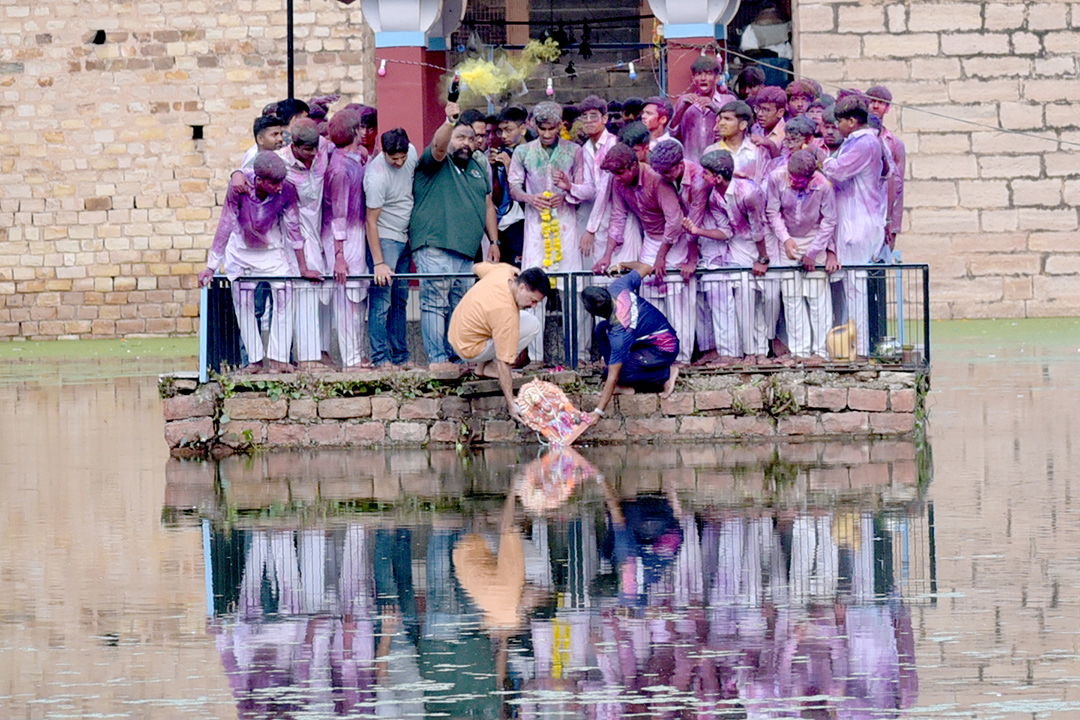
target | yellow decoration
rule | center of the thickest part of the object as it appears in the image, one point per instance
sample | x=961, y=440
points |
x=549, y=228
x=492, y=79
x=536, y=51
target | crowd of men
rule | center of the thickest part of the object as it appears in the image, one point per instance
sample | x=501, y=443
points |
x=762, y=177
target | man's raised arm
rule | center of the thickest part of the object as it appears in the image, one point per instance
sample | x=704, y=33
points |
x=441, y=141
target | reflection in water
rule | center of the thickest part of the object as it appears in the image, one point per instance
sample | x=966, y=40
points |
x=611, y=605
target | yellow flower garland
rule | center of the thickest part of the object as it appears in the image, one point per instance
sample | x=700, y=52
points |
x=549, y=228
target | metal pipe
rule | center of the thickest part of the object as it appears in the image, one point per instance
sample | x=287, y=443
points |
x=289, y=47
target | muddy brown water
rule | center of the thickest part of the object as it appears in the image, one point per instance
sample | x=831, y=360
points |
x=930, y=580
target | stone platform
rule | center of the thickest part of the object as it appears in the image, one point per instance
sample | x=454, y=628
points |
x=241, y=413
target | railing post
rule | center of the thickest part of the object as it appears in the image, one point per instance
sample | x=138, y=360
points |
x=926, y=313
x=204, y=323
x=572, y=295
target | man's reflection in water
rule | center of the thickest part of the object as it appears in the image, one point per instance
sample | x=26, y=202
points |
x=639, y=605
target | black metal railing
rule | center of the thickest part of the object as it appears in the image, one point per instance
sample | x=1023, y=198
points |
x=895, y=330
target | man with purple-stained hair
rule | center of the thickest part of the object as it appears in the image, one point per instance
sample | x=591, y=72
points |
x=369, y=121
x=343, y=234
x=798, y=135
x=861, y=200
x=307, y=159
x=800, y=94
x=259, y=234
x=656, y=114
x=770, y=106
x=639, y=191
x=880, y=99
x=742, y=313
x=679, y=294
x=694, y=119
x=801, y=209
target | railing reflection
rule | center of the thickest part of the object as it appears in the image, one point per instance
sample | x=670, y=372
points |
x=618, y=600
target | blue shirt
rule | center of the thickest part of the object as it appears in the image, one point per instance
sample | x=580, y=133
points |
x=636, y=321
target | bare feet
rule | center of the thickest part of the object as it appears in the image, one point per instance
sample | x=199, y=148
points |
x=815, y=360
x=359, y=367
x=312, y=366
x=277, y=367
x=669, y=386
x=442, y=367
x=487, y=370
x=710, y=357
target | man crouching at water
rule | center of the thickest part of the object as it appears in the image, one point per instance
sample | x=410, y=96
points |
x=490, y=326
x=636, y=340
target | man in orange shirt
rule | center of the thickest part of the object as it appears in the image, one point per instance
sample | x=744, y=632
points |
x=490, y=326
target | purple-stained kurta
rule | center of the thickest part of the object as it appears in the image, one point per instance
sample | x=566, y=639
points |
x=257, y=237
x=530, y=173
x=654, y=202
x=693, y=194
x=806, y=216
x=697, y=126
x=600, y=205
x=343, y=212
x=749, y=159
x=309, y=190
x=861, y=197
x=742, y=207
x=895, y=147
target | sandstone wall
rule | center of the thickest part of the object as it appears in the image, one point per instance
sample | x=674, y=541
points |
x=368, y=410
x=107, y=204
x=993, y=213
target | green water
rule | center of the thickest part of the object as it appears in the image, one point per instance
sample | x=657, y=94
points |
x=67, y=361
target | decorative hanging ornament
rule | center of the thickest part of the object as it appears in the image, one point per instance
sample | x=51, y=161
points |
x=550, y=88
x=633, y=72
x=382, y=68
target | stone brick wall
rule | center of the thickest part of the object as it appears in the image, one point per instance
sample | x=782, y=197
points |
x=290, y=411
x=107, y=204
x=994, y=214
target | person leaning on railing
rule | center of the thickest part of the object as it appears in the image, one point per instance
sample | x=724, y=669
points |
x=259, y=234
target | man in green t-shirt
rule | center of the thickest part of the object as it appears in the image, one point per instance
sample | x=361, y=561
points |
x=452, y=210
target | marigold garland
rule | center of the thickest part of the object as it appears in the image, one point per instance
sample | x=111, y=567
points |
x=549, y=228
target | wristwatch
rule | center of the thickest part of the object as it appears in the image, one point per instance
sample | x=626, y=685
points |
x=763, y=260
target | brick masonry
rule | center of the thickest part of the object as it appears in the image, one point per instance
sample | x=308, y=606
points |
x=107, y=203
x=994, y=215
x=725, y=408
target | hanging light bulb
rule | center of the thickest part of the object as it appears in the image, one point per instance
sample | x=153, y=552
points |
x=633, y=72
x=382, y=68
x=550, y=92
